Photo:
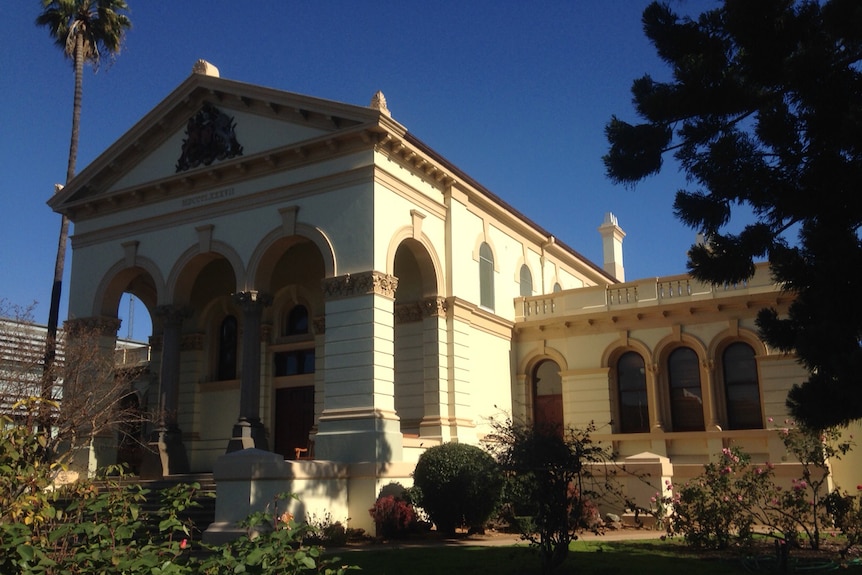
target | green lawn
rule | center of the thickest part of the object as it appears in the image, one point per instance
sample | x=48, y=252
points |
x=593, y=557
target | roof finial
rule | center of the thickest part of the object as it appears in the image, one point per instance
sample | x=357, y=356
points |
x=378, y=102
x=205, y=68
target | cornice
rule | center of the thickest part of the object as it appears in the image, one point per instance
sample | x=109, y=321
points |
x=224, y=174
x=268, y=196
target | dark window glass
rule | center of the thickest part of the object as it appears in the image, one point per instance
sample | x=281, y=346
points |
x=741, y=387
x=686, y=396
x=227, y=348
x=486, y=277
x=296, y=362
x=297, y=321
x=631, y=381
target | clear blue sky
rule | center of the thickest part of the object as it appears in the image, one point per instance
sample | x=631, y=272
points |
x=514, y=93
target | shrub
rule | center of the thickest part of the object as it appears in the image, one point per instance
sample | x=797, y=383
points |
x=732, y=495
x=714, y=508
x=87, y=528
x=393, y=516
x=274, y=544
x=325, y=531
x=457, y=485
x=551, y=488
x=846, y=511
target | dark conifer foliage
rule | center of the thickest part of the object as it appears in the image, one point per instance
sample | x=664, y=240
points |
x=764, y=115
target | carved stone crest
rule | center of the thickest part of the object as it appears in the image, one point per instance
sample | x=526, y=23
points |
x=210, y=136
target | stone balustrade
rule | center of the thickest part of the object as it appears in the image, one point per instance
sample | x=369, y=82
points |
x=640, y=293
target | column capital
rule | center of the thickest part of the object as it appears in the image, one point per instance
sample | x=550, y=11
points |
x=435, y=306
x=363, y=283
x=173, y=314
x=106, y=326
x=251, y=300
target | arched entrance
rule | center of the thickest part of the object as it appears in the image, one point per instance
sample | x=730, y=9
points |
x=292, y=269
x=130, y=294
x=416, y=344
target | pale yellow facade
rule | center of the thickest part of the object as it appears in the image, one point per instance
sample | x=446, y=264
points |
x=334, y=297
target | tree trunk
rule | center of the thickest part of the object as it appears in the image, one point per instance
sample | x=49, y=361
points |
x=60, y=262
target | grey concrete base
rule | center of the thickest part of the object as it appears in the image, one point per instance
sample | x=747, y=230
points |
x=248, y=435
x=166, y=455
x=253, y=480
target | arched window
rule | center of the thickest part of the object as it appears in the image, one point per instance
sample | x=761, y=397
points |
x=526, y=281
x=486, y=277
x=631, y=384
x=548, y=398
x=557, y=287
x=297, y=321
x=686, y=396
x=227, y=348
x=741, y=387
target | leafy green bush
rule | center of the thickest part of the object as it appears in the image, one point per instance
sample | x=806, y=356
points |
x=89, y=528
x=457, y=485
x=274, y=544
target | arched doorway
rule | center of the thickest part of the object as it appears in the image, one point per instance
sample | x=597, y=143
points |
x=292, y=269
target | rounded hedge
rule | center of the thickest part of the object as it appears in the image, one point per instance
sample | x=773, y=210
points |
x=458, y=485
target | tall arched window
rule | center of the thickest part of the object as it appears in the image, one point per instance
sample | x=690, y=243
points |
x=631, y=384
x=486, y=276
x=686, y=396
x=297, y=321
x=227, y=348
x=548, y=398
x=741, y=387
x=526, y=281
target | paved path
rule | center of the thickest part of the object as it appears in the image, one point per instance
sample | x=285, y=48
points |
x=495, y=538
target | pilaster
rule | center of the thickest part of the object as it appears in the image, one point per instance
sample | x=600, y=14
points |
x=358, y=422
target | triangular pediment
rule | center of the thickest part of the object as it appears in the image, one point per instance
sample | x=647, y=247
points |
x=207, y=125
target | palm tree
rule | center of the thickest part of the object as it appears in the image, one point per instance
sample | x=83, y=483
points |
x=84, y=30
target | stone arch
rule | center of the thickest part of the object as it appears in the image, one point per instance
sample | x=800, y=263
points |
x=144, y=277
x=728, y=336
x=417, y=348
x=423, y=250
x=301, y=231
x=530, y=360
x=616, y=349
x=193, y=261
x=290, y=267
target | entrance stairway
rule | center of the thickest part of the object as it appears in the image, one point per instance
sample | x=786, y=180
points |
x=201, y=515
